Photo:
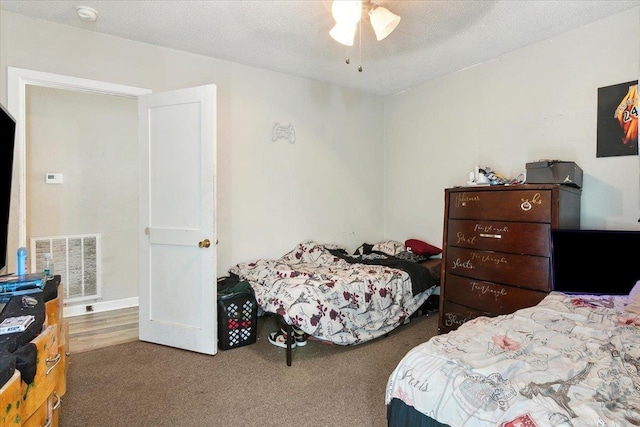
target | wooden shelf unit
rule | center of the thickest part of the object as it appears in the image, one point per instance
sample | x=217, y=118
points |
x=38, y=403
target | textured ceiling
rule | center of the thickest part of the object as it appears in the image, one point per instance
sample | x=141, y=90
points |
x=433, y=38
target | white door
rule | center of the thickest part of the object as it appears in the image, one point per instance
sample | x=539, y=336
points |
x=177, y=225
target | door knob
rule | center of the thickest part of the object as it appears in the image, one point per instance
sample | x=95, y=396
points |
x=204, y=244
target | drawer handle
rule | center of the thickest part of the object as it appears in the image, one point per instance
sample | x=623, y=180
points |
x=52, y=362
x=55, y=406
x=58, y=401
x=493, y=236
x=525, y=206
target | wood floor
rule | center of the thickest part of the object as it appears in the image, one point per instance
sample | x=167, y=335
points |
x=97, y=330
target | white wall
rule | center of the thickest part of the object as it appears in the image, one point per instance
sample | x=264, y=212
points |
x=539, y=102
x=89, y=138
x=328, y=186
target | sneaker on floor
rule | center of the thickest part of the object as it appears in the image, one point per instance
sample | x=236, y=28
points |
x=279, y=339
x=299, y=337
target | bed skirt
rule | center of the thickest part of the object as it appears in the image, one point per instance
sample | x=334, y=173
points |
x=399, y=414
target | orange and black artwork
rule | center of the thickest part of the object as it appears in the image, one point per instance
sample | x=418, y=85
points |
x=618, y=120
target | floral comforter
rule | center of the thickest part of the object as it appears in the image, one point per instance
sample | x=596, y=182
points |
x=330, y=298
x=570, y=361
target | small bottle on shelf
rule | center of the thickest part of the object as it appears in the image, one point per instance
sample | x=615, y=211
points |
x=22, y=261
x=47, y=266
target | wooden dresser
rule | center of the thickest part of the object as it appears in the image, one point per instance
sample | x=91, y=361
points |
x=38, y=403
x=496, y=251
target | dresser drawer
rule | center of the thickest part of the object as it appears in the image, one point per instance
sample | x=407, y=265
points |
x=10, y=399
x=40, y=417
x=453, y=315
x=490, y=297
x=63, y=339
x=42, y=386
x=519, y=270
x=47, y=414
x=516, y=237
x=53, y=309
x=521, y=205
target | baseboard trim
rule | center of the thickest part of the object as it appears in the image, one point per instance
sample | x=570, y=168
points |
x=97, y=307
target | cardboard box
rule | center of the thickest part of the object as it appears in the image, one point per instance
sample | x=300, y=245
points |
x=554, y=172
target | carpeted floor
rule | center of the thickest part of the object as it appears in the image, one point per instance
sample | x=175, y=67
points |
x=143, y=384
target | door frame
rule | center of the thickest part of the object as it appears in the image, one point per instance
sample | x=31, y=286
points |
x=17, y=81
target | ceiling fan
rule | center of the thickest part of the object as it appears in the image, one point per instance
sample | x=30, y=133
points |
x=348, y=14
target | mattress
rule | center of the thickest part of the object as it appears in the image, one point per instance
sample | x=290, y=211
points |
x=336, y=297
x=572, y=360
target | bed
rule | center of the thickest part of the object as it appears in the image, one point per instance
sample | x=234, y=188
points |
x=571, y=360
x=338, y=297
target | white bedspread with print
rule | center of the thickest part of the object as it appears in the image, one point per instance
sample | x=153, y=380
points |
x=332, y=299
x=569, y=361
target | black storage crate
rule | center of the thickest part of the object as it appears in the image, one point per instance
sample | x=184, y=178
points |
x=237, y=316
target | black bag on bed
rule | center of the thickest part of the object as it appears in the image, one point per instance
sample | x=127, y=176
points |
x=237, y=313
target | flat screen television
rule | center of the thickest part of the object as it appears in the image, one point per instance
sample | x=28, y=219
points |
x=603, y=262
x=7, y=143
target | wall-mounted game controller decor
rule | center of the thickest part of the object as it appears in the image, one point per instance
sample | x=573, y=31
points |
x=283, y=132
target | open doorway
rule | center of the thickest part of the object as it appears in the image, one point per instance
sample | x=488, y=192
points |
x=82, y=191
x=99, y=193
x=176, y=217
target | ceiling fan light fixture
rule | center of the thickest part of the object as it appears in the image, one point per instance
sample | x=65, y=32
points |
x=348, y=17
x=383, y=21
x=346, y=11
x=344, y=33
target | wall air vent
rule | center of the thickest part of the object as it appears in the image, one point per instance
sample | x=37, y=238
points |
x=76, y=258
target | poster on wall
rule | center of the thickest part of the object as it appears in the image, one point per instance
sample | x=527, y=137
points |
x=618, y=120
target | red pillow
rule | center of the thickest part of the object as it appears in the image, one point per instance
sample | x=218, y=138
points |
x=421, y=248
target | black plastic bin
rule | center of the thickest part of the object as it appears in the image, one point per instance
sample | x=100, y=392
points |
x=237, y=313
